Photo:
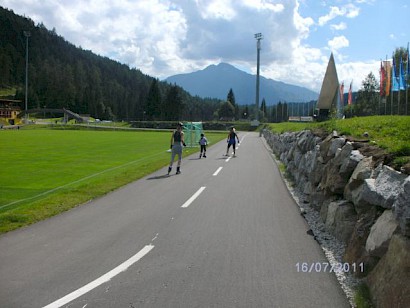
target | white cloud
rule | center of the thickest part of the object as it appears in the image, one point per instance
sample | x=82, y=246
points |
x=334, y=12
x=222, y=9
x=167, y=37
x=338, y=27
x=264, y=5
x=352, y=11
x=338, y=42
x=356, y=72
x=349, y=10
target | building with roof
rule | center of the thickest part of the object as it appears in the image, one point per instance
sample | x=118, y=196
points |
x=9, y=111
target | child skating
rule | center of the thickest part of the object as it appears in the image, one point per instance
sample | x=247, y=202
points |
x=203, y=142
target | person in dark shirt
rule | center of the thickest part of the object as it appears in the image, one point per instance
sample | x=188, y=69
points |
x=203, y=142
x=177, y=141
x=232, y=137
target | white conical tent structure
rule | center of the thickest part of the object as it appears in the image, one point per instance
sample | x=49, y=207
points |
x=329, y=93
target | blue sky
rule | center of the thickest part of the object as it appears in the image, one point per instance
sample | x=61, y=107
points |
x=167, y=37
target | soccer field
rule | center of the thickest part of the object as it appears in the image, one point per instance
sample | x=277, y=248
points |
x=45, y=172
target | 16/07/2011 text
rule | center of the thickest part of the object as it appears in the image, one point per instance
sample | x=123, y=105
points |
x=324, y=267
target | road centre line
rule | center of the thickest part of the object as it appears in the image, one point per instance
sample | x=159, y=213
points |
x=103, y=279
x=243, y=137
x=217, y=171
x=194, y=196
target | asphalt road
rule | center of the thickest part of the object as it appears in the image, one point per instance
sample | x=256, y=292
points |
x=224, y=233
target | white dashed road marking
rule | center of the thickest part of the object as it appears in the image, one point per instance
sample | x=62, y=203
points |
x=194, y=196
x=103, y=279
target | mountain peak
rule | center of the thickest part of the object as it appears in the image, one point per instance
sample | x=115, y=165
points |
x=216, y=80
x=220, y=66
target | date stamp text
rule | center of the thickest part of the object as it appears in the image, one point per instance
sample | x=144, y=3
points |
x=326, y=267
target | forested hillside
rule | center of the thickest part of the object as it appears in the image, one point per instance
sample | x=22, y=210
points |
x=63, y=75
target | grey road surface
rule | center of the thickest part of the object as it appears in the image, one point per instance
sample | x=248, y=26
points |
x=235, y=243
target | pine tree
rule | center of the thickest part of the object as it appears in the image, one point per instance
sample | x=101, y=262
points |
x=153, y=103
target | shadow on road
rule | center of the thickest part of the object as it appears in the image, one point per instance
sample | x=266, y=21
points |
x=158, y=177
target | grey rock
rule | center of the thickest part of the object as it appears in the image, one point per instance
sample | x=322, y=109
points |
x=354, y=186
x=380, y=234
x=335, y=144
x=345, y=219
x=340, y=219
x=349, y=165
x=401, y=208
x=383, y=190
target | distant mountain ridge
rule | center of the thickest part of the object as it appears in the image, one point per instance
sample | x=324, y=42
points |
x=216, y=80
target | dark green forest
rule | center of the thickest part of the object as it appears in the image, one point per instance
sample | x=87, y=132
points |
x=62, y=75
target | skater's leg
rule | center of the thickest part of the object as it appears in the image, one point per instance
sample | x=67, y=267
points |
x=172, y=161
x=227, y=149
x=179, y=163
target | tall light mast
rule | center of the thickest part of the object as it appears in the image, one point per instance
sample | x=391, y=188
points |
x=258, y=37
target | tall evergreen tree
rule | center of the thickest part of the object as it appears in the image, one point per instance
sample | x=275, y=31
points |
x=263, y=108
x=367, y=98
x=231, y=97
x=172, y=105
x=226, y=111
x=153, y=103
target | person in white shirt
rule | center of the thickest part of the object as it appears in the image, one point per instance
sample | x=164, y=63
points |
x=203, y=143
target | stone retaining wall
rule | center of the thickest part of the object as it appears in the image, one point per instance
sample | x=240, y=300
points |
x=362, y=202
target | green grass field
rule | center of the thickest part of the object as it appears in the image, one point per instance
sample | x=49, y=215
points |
x=45, y=172
x=389, y=132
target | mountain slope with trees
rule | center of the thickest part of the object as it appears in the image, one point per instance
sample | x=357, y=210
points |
x=62, y=75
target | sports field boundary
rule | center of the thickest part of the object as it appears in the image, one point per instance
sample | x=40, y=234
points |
x=78, y=181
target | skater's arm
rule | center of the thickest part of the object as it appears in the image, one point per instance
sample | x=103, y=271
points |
x=172, y=139
x=183, y=139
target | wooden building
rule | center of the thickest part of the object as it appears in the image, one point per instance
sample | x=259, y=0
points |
x=9, y=110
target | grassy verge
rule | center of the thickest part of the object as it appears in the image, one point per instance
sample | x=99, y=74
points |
x=45, y=172
x=391, y=133
x=362, y=297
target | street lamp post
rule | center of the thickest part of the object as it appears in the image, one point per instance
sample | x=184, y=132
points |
x=27, y=34
x=258, y=37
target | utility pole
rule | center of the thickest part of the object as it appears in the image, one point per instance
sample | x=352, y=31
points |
x=258, y=37
x=27, y=34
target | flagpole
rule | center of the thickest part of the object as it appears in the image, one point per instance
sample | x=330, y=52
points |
x=394, y=80
x=393, y=77
x=398, y=102
x=385, y=99
x=381, y=85
x=407, y=79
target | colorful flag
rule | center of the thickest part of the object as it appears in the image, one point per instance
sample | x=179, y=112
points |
x=402, y=82
x=382, y=80
x=342, y=88
x=395, y=80
x=408, y=68
x=387, y=68
x=349, y=97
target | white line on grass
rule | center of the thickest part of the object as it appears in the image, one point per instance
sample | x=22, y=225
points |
x=217, y=171
x=194, y=196
x=77, y=181
x=103, y=279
